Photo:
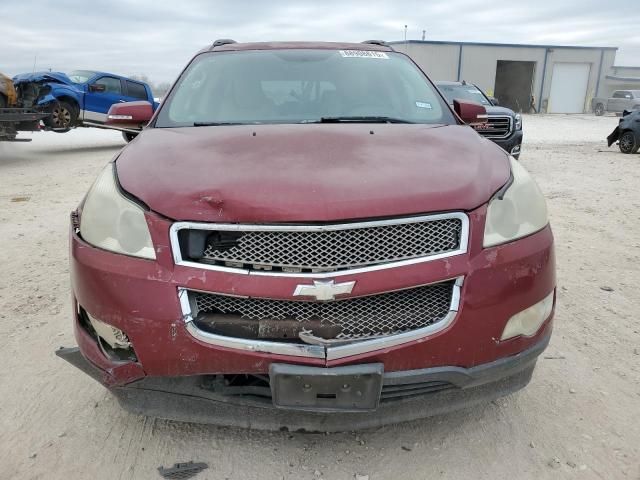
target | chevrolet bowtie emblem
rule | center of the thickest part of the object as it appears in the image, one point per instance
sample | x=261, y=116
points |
x=323, y=290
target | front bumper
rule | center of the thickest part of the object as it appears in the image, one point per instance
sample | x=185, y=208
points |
x=140, y=297
x=423, y=393
x=510, y=144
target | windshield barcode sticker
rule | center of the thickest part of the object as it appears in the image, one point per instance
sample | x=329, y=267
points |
x=363, y=54
x=423, y=105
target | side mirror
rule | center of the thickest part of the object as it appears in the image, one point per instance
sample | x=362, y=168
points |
x=97, y=87
x=128, y=114
x=494, y=101
x=470, y=112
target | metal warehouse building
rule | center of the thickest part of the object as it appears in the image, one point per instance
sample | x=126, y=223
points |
x=561, y=79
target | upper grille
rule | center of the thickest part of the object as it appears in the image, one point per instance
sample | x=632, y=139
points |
x=382, y=314
x=340, y=247
x=497, y=126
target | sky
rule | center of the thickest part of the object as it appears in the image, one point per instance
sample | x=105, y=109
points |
x=158, y=38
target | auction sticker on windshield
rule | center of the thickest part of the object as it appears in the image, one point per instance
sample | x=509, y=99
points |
x=363, y=54
x=423, y=105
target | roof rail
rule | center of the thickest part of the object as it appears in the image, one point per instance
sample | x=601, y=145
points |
x=382, y=43
x=222, y=41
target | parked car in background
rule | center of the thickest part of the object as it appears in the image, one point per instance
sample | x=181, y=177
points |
x=627, y=133
x=80, y=98
x=503, y=126
x=307, y=236
x=620, y=101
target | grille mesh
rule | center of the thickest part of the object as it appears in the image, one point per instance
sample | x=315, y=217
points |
x=338, y=249
x=387, y=313
x=496, y=127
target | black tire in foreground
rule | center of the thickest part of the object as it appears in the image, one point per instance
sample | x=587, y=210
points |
x=63, y=116
x=128, y=136
x=628, y=142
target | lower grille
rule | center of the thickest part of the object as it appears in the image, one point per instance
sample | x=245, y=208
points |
x=258, y=387
x=405, y=390
x=497, y=126
x=351, y=318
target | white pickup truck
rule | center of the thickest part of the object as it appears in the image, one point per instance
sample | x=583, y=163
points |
x=620, y=101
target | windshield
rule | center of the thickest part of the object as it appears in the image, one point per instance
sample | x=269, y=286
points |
x=80, y=76
x=297, y=86
x=463, y=92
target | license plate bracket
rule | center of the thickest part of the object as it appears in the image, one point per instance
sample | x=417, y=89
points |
x=354, y=388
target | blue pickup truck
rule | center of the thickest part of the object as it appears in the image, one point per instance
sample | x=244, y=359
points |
x=79, y=98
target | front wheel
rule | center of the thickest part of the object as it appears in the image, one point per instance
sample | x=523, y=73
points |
x=63, y=116
x=128, y=136
x=628, y=143
x=599, y=110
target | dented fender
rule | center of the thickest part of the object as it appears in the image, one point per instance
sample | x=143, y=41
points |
x=47, y=100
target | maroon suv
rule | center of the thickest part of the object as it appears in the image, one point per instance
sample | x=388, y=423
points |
x=307, y=236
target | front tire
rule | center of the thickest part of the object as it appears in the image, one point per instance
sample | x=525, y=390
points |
x=128, y=136
x=63, y=116
x=599, y=110
x=628, y=142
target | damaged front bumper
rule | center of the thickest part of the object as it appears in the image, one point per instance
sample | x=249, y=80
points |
x=181, y=373
x=404, y=395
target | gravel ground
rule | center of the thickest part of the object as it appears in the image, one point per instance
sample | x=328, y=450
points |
x=579, y=417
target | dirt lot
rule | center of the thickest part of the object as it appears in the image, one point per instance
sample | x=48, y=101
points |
x=579, y=418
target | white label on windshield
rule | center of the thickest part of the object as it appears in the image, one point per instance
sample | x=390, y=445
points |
x=363, y=54
x=423, y=105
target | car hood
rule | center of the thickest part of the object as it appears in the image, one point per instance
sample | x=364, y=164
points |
x=310, y=172
x=42, y=77
x=496, y=110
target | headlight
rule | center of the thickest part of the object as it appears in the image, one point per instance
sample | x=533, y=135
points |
x=528, y=321
x=518, y=121
x=519, y=211
x=113, y=222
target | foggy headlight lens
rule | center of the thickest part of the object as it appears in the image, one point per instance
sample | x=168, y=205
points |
x=527, y=322
x=113, y=222
x=518, y=121
x=521, y=211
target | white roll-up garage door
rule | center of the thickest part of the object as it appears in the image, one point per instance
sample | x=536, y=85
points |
x=569, y=83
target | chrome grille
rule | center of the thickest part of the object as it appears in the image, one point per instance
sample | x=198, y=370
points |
x=340, y=247
x=383, y=314
x=497, y=126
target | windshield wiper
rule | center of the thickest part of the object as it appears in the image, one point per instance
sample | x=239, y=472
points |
x=355, y=119
x=362, y=119
x=215, y=124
